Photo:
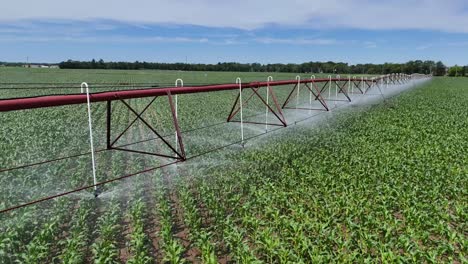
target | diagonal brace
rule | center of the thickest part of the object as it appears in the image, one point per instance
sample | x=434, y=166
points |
x=153, y=130
x=131, y=123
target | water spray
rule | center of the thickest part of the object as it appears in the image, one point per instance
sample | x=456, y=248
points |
x=59, y=100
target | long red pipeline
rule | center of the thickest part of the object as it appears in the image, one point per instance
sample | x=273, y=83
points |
x=70, y=99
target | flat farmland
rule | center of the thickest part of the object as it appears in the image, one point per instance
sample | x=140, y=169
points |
x=376, y=182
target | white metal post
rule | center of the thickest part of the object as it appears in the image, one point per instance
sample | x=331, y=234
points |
x=329, y=87
x=298, y=78
x=336, y=88
x=366, y=82
x=269, y=79
x=238, y=81
x=177, y=112
x=362, y=84
x=90, y=125
x=387, y=81
x=352, y=86
x=349, y=83
x=310, y=92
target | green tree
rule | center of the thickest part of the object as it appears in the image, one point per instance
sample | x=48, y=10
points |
x=93, y=64
x=440, y=69
x=455, y=71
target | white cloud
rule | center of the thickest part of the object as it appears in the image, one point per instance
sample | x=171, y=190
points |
x=231, y=42
x=443, y=44
x=458, y=44
x=296, y=41
x=370, y=44
x=424, y=47
x=448, y=15
x=105, y=39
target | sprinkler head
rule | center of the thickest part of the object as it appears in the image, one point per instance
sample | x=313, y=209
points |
x=97, y=191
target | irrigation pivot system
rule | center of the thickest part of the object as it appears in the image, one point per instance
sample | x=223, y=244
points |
x=314, y=86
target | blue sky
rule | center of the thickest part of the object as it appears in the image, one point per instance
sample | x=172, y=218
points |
x=208, y=31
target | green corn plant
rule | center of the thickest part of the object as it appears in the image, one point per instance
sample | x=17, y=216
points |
x=105, y=249
x=139, y=240
x=105, y=252
x=173, y=252
x=208, y=255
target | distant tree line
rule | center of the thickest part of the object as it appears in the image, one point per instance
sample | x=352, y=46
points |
x=24, y=64
x=410, y=67
x=12, y=64
x=417, y=66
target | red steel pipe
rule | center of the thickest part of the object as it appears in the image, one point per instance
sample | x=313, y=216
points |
x=70, y=99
